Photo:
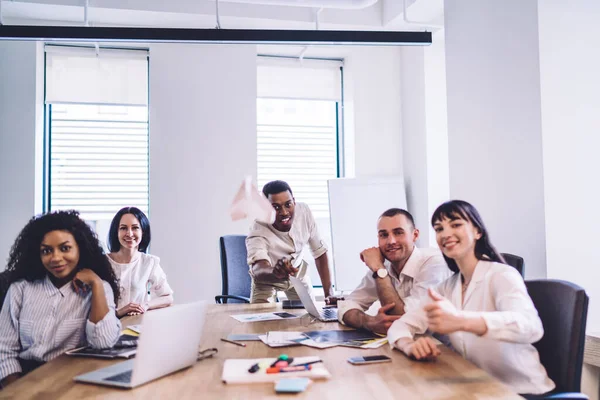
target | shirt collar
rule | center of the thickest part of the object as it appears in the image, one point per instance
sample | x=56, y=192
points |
x=480, y=269
x=52, y=290
x=412, y=264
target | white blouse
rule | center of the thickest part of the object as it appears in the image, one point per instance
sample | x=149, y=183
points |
x=137, y=276
x=498, y=294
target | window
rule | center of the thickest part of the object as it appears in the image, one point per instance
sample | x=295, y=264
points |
x=298, y=114
x=297, y=143
x=98, y=158
x=96, y=155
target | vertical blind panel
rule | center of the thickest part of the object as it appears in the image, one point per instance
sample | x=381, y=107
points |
x=297, y=143
x=297, y=82
x=99, y=159
x=111, y=77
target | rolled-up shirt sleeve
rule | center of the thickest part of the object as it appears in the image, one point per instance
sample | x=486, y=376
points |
x=105, y=333
x=9, y=332
x=257, y=246
x=414, y=321
x=361, y=298
x=410, y=324
x=517, y=319
x=158, y=278
x=317, y=245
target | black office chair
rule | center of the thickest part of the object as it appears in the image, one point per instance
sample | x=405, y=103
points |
x=234, y=270
x=515, y=261
x=562, y=307
x=3, y=286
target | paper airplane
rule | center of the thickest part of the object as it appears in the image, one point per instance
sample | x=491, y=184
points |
x=250, y=203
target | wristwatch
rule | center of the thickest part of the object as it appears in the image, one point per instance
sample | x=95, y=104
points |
x=380, y=273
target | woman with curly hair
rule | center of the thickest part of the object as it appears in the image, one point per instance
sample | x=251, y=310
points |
x=62, y=294
x=143, y=282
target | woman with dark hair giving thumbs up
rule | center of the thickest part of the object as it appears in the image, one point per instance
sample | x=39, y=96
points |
x=484, y=308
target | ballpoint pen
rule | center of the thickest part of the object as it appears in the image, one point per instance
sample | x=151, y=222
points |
x=233, y=342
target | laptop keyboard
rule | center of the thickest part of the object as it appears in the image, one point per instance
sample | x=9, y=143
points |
x=124, y=377
x=329, y=313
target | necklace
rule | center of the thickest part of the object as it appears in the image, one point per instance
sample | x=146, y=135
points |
x=465, y=285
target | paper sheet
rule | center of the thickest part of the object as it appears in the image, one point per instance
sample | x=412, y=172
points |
x=283, y=337
x=264, y=316
x=263, y=338
x=250, y=203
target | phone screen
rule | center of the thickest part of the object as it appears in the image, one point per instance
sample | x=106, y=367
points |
x=368, y=359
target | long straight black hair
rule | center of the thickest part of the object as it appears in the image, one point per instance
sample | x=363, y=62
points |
x=459, y=209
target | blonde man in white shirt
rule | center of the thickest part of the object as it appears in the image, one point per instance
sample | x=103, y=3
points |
x=275, y=251
x=484, y=308
x=143, y=283
x=398, y=273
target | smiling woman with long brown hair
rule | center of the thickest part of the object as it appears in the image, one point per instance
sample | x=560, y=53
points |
x=62, y=294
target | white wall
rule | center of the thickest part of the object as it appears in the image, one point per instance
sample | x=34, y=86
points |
x=569, y=39
x=569, y=64
x=494, y=121
x=414, y=135
x=21, y=124
x=202, y=144
x=373, y=102
x=438, y=168
x=425, y=132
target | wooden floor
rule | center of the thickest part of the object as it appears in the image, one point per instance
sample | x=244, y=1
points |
x=450, y=377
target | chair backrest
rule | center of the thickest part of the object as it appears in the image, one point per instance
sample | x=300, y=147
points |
x=234, y=267
x=515, y=261
x=3, y=286
x=562, y=307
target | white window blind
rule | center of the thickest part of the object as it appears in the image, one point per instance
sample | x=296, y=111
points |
x=297, y=143
x=110, y=76
x=309, y=79
x=97, y=153
x=98, y=159
x=297, y=131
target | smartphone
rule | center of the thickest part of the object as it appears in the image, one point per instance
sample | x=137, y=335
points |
x=368, y=360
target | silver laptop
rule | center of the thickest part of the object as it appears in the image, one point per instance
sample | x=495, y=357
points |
x=168, y=342
x=322, y=314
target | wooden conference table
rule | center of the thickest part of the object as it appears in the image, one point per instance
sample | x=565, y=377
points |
x=450, y=377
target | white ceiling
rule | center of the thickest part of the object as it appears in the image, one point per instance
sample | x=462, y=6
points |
x=383, y=15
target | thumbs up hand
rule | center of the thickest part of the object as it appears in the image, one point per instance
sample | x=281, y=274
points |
x=442, y=316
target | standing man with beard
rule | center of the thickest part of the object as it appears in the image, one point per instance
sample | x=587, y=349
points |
x=275, y=251
x=399, y=274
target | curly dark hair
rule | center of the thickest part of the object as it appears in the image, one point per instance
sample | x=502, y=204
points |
x=24, y=261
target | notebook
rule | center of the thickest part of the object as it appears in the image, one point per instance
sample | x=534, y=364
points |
x=125, y=347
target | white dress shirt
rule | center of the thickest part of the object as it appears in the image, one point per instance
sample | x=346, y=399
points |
x=498, y=294
x=264, y=242
x=424, y=268
x=40, y=322
x=136, y=276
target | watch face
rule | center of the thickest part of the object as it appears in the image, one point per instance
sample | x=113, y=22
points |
x=382, y=273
